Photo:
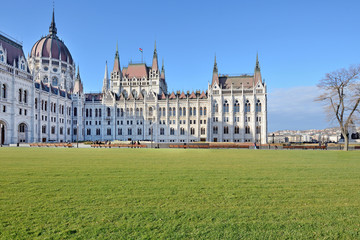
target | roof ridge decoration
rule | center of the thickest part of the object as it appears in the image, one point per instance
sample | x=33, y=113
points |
x=182, y=95
x=172, y=96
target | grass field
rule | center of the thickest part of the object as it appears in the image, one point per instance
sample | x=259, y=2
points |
x=178, y=194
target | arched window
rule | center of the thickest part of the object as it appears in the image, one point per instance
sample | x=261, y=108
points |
x=150, y=131
x=62, y=131
x=190, y=111
x=87, y=112
x=182, y=131
x=172, y=131
x=53, y=130
x=160, y=112
x=90, y=113
x=170, y=111
x=25, y=96
x=20, y=95
x=1, y=56
x=237, y=130
x=108, y=112
x=119, y=131
x=55, y=108
x=247, y=106
x=162, y=131
x=99, y=112
x=247, y=130
x=200, y=111
x=204, y=111
x=258, y=106
x=215, y=107
x=134, y=93
x=141, y=111
x=226, y=106
x=143, y=92
x=139, y=131
x=194, y=111
x=137, y=112
x=54, y=81
x=75, y=111
x=237, y=106
x=184, y=111
x=43, y=129
x=258, y=129
x=226, y=130
x=174, y=112
x=192, y=131
x=202, y=131
x=88, y=131
x=131, y=112
x=150, y=111
x=164, y=112
x=129, y=131
x=45, y=106
x=215, y=130
x=96, y=112
x=180, y=111
x=3, y=91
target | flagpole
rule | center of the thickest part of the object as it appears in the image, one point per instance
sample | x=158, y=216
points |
x=142, y=57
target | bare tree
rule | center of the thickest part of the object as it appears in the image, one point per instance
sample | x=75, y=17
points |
x=340, y=90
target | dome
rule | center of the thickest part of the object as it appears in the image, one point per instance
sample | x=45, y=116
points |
x=52, y=46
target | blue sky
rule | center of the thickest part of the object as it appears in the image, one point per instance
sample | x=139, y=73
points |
x=298, y=42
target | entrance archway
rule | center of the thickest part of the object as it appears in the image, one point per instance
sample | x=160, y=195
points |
x=2, y=133
x=22, y=133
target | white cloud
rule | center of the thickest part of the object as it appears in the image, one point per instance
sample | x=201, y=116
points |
x=295, y=108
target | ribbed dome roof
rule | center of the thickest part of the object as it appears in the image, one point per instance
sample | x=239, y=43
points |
x=52, y=46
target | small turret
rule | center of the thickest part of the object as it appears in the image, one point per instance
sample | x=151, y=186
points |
x=257, y=73
x=162, y=76
x=78, y=86
x=117, y=60
x=155, y=66
x=106, y=80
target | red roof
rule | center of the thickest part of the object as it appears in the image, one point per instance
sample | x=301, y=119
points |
x=136, y=70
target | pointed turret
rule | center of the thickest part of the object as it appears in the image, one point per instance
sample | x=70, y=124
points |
x=117, y=60
x=52, y=28
x=162, y=76
x=106, y=79
x=155, y=60
x=257, y=73
x=78, y=87
x=215, y=78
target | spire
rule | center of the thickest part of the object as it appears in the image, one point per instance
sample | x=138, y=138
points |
x=155, y=60
x=215, y=78
x=106, y=79
x=257, y=66
x=162, y=76
x=78, y=73
x=78, y=88
x=52, y=28
x=117, y=61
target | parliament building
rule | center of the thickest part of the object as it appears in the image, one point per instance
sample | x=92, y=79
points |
x=42, y=100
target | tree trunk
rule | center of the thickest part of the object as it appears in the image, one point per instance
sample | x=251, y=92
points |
x=346, y=142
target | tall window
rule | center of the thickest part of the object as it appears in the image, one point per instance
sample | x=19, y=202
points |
x=258, y=106
x=139, y=131
x=129, y=131
x=247, y=106
x=202, y=131
x=75, y=111
x=150, y=111
x=108, y=112
x=192, y=131
x=226, y=106
x=53, y=130
x=258, y=129
x=237, y=106
x=215, y=130
x=96, y=112
x=201, y=111
x=88, y=131
x=184, y=111
x=174, y=112
x=3, y=91
x=119, y=131
x=162, y=131
x=204, y=111
x=43, y=129
x=36, y=103
x=180, y=111
x=160, y=112
x=172, y=131
x=25, y=96
x=237, y=130
x=98, y=131
x=247, y=130
x=108, y=131
x=194, y=111
x=190, y=111
x=216, y=107
x=61, y=131
x=20, y=95
x=182, y=131
x=226, y=130
x=99, y=112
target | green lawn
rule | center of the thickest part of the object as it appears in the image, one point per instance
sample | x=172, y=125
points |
x=178, y=194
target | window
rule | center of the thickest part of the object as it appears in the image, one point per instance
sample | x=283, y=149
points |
x=215, y=107
x=204, y=111
x=43, y=129
x=247, y=130
x=99, y=112
x=20, y=95
x=190, y=111
x=226, y=106
x=90, y=113
x=174, y=112
x=87, y=112
x=61, y=131
x=25, y=96
x=215, y=130
x=75, y=111
x=258, y=119
x=201, y=111
x=150, y=131
x=182, y=131
x=98, y=131
x=192, y=131
x=150, y=111
x=139, y=131
x=180, y=111
x=194, y=111
x=108, y=112
x=108, y=131
x=1, y=56
x=258, y=129
x=45, y=79
x=237, y=130
x=258, y=106
x=88, y=131
x=226, y=130
x=172, y=131
x=202, y=131
x=119, y=131
x=184, y=111
x=237, y=106
x=247, y=106
x=162, y=131
x=54, y=81
x=3, y=91
x=129, y=131
x=53, y=130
